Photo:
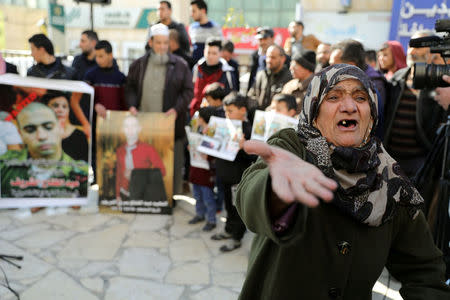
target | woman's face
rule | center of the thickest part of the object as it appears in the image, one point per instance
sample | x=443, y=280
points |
x=344, y=117
x=61, y=107
x=385, y=59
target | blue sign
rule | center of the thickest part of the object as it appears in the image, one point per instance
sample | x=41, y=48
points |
x=408, y=16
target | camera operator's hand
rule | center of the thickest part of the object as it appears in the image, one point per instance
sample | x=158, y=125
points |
x=443, y=94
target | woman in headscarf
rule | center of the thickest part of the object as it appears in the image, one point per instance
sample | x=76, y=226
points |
x=391, y=58
x=330, y=208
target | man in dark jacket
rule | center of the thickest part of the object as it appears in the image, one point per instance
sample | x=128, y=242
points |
x=47, y=65
x=174, y=48
x=86, y=60
x=162, y=82
x=264, y=36
x=165, y=17
x=271, y=80
x=411, y=116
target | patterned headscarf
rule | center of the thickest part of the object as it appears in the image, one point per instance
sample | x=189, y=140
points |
x=371, y=184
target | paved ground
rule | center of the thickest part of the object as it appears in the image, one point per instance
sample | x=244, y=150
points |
x=83, y=255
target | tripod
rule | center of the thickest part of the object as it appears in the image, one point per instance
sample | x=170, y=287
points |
x=8, y=259
x=442, y=233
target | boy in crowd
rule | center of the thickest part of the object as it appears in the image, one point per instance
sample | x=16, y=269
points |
x=284, y=104
x=109, y=85
x=211, y=68
x=227, y=54
x=230, y=173
x=107, y=81
x=214, y=94
x=203, y=183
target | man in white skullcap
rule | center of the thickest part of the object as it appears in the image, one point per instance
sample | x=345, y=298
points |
x=162, y=82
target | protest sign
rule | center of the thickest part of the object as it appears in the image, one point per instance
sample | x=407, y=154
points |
x=222, y=138
x=266, y=123
x=196, y=158
x=135, y=162
x=44, y=141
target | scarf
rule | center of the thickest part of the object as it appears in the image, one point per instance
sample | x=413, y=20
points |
x=371, y=184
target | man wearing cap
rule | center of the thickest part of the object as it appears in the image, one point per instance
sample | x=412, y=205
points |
x=298, y=41
x=302, y=70
x=271, y=80
x=264, y=36
x=162, y=82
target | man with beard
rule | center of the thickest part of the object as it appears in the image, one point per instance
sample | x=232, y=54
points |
x=322, y=56
x=162, y=82
x=271, y=80
x=411, y=116
x=86, y=60
x=299, y=42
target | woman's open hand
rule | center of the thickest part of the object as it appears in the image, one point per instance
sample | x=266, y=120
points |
x=293, y=179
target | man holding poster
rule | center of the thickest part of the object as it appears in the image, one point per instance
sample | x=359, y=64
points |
x=42, y=169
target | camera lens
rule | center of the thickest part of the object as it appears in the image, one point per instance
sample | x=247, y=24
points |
x=429, y=76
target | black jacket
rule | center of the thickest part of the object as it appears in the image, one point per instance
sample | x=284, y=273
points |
x=10, y=68
x=55, y=70
x=82, y=64
x=230, y=172
x=178, y=88
x=429, y=114
x=183, y=36
x=254, y=68
x=267, y=84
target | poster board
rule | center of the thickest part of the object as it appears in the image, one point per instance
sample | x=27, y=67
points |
x=135, y=162
x=194, y=140
x=46, y=145
x=222, y=138
x=266, y=123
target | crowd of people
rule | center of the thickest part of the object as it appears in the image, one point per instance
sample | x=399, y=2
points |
x=293, y=79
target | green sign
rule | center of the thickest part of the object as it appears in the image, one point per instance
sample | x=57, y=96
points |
x=147, y=17
x=57, y=20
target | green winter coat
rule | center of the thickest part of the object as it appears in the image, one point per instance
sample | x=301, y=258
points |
x=328, y=255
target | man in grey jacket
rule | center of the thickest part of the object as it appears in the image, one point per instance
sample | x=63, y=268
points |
x=162, y=82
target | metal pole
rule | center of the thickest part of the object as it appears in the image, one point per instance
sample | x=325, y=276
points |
x=92, y=16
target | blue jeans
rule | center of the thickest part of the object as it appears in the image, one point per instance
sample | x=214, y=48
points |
x=205, y=202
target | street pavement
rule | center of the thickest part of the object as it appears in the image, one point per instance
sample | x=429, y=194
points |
x=86, y=255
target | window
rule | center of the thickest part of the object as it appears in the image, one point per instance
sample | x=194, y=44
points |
x=274, y=13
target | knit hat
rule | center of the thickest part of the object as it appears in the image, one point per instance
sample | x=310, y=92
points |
x=306, y=59
x=158, y=29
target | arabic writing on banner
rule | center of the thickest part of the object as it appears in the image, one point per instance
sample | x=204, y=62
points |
x=244, y=38
x=413, y=15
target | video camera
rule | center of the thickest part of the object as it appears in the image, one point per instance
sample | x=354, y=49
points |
x=430, y=76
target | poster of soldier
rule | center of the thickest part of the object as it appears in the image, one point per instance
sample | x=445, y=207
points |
x=45, y=133
x=135, y=162
x=266, y=123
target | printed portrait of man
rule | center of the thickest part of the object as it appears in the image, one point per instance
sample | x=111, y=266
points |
x=136, y=163
x=41, y=169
